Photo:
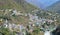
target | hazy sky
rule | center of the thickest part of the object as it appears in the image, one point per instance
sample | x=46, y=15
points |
x=43, y=3
x=48, y=2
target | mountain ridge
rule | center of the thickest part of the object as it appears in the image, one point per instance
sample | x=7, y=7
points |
x=54, y=7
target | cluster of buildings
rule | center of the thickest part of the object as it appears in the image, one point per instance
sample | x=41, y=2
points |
x=35, y=21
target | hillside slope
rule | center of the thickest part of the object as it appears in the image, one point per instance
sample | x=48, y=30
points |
x=16, y=4
x=19, y=5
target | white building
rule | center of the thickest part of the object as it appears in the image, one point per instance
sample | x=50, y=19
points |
x=15, y=12
x=47, y=33
x=6, y=24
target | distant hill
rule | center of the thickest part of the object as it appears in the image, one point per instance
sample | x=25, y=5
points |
x=54, y=7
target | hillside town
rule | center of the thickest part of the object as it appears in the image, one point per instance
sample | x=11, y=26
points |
x=36, y=24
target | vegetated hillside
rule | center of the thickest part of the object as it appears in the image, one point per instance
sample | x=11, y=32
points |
x=54, y=7
x=25, y=5
x=16, y=4
x=4, y=4
x=22, y=6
